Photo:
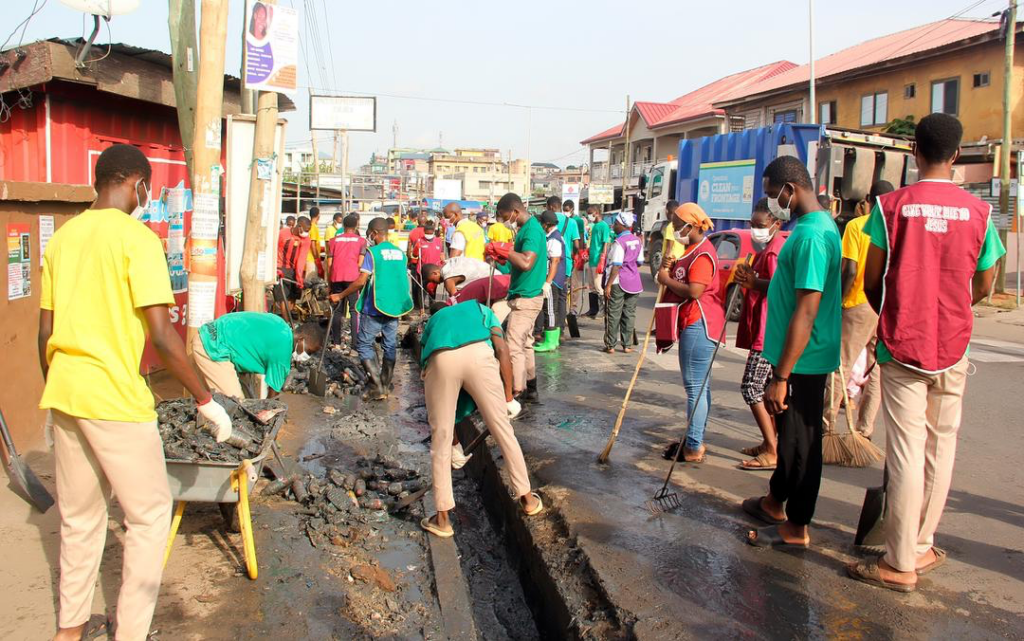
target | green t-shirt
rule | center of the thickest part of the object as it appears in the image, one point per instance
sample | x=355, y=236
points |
x=581, y=226
x=457, y=326
x=600, y=234
x=254, y=342
x=531, y=238
x=991, y=250
x=570, y=232
x=810, y=259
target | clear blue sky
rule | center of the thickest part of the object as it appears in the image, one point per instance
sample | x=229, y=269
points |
x=581, y=55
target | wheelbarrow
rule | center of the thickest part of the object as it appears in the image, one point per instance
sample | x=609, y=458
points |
x=225, y=483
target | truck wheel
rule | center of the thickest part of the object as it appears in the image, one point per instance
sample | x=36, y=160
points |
x=655, y=256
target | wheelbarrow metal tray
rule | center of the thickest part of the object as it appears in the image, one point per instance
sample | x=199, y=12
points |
x=210, y=481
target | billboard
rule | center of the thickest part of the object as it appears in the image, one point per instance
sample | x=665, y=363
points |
x=271, y=47
x=447, y=189
x=334, y=113
x=571, y=192
x=600, y=194
x=726, y=189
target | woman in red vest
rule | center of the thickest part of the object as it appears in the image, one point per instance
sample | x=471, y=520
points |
x=693, y=291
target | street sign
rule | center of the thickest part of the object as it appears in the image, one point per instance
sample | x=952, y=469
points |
x=601, y=194
x=571, y=191
x=334, y=113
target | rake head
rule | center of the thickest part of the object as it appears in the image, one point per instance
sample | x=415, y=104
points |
x=663, y=501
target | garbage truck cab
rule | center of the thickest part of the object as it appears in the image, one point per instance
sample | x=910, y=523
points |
x=659, y=187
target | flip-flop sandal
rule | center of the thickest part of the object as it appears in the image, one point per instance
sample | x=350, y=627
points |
x=868, y=573
x=751, y=451
x=608, y=350
x=769, y=537
x=753, y=508
x=97, y=626
x=762, y=464
x=627, y=350
x=940, y=558
x=701, y=456
x=436, y=531
x=537, y=510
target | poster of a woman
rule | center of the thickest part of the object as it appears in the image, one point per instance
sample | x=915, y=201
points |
x=259, y=22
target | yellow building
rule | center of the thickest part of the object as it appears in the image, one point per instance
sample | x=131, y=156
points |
x=952, y=66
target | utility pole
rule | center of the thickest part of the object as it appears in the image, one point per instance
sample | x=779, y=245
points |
x=625, y=159
x=258, y=215
x=316, y=167
x=1007, y=146
x=345, y=186
x=206, y=146
x=181, y=21
x=813, y=107
x=334, y=153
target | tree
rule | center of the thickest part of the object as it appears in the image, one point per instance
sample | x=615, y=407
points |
x=901, y=126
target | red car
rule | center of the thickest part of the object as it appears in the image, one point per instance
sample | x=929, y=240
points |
x=732, y=245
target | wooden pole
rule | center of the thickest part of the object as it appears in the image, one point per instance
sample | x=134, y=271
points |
x=316, y=168
x=259, y=212
x=1007, y=146
x=181, y=21
x=346, y=197
x=206, y=174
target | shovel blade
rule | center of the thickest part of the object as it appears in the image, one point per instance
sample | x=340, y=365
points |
x=574, y=326
x=409, y=500
x=317, y=384
x=870, y=527
x=29, y=483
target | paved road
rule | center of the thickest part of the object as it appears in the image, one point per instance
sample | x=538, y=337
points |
x=689, y=572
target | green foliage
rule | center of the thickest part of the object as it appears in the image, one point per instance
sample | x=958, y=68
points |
x=901, y=126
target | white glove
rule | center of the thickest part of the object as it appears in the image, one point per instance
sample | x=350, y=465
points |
x=513, y=408
x=546, y=290
x=215, y=413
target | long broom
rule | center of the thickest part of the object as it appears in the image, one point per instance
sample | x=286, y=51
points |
x=834, y=450
x=862, y=452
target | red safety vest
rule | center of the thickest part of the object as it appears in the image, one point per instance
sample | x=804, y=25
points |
x=711, y=302
x=935, y=233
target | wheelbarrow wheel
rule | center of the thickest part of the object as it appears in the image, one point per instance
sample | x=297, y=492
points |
x=230, y=513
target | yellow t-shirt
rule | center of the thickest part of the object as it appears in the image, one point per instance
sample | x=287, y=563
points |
x=855, y=247
x=499, y=233
x=99, y=270
x=315, y=246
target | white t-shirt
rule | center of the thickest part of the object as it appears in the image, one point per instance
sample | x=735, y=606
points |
x=554, y=246
x=471, y=268
x=458, y=241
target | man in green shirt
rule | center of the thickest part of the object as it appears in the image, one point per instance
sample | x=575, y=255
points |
x=250, y=343
x=802, y=338
x=529, y=260
x=464, y=353
x=600, y=237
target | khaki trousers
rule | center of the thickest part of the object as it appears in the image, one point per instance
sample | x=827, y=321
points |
x=859, y=326
x=220, y=376
x=475, y=369
x=922, y=416
x=519, y=337
x=94, y=457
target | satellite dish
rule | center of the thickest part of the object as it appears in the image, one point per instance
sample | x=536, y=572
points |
x=105, y=8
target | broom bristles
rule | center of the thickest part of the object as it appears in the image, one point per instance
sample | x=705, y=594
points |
x=834, y=450
x=862, y=451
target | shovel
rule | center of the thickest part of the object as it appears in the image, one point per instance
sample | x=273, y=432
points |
x=871, y=526
x=22, y=475
x=571, y=320
x=317, y=384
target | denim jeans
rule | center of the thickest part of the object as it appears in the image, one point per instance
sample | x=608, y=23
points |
x=695, y=352
x=369, y=328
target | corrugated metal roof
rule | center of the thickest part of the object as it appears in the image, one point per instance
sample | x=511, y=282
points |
x=897, y=45
x=695, y=104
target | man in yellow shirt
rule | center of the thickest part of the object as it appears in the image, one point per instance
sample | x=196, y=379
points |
x=316, y=246
x=468, y=239
x=859, y=323
x=105, y=286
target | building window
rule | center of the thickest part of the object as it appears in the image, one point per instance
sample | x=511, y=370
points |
x=981, y=79
x=910, y=91
x=785, y=116
x=946, y=96
x=874, y=109
x=827, y=113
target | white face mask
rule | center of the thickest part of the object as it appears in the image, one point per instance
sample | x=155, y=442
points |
x=777, y=210
x=300, y=355
x=762, y=235
x=681, y=238
x=304, y=234
x=140, y=208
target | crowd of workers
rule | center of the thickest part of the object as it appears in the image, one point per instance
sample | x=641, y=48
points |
x=814, y=303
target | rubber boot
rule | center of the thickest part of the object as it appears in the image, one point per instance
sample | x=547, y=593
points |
x=594, y=303
x=374, y=389
x=387, y=372
x=550, y=342
x=530, y=394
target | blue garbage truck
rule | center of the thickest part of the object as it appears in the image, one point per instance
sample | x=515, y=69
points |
x=723, y=173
